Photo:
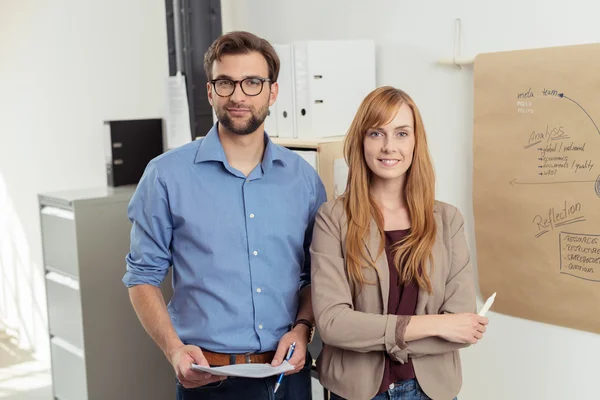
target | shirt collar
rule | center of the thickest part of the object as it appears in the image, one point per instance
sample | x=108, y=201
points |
x=273, y=153
x=211, y=149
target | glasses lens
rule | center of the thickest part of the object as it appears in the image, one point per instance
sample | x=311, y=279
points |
x=252, y=86
x=224, y=87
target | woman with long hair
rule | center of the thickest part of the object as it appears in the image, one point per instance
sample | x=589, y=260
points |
x=392, y=285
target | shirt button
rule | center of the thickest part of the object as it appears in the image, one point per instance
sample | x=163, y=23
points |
x=259, y=290
x=248, y=180
x=251, y=215
x=260, y=327
x=255, y=252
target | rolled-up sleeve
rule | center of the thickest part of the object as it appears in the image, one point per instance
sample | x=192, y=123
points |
x=149, y=257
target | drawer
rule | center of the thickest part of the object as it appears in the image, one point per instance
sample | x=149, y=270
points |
x=68, y=371
x=64, y=308
x=59, y=240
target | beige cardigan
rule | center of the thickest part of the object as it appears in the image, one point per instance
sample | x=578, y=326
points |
x=356, y=328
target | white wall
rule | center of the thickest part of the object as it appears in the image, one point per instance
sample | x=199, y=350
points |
x=65, y=66
x=518, y=359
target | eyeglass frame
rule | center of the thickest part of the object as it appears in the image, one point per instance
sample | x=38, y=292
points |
x=235, y=85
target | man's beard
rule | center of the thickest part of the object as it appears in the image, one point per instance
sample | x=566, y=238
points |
x=255, y=121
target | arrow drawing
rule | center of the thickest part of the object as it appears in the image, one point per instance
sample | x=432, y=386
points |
x=596, y=183
x=579, y=105
x=515, y=182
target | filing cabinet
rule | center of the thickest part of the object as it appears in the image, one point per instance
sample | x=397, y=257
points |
x=99, y=349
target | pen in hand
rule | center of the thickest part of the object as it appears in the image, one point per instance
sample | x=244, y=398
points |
x=287, y=358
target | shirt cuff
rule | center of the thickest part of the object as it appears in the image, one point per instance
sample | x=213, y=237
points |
x=133, y=279
x=401, y=324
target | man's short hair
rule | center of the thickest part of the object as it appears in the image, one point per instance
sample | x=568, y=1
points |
x=240, y=42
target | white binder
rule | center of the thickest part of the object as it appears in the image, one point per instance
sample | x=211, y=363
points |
x=331, y=80
x=284, y=111
x=271, y=120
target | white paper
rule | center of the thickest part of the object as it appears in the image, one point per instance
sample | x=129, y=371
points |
x=246, y=370
x=178, y=114
x=487, y=305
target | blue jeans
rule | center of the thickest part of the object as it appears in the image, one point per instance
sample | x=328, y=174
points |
x=293, y=387
x=406, y=390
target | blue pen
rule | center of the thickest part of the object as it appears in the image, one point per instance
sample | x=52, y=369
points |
x=287, y=358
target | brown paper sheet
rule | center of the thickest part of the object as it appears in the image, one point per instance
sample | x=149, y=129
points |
x=536, y=183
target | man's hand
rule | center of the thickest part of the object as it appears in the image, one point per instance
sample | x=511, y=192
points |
x=182, y=359
x=299, y=335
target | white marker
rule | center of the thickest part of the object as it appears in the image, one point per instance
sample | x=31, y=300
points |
x=487, y=305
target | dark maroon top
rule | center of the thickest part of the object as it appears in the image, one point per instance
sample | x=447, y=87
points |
x=401, y=301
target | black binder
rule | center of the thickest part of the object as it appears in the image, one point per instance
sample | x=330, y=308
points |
x=131, y=144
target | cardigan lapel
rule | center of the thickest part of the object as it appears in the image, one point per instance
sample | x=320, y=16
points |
x=381, y=263
x=437, y=253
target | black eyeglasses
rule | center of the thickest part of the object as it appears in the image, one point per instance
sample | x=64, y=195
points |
x=250, y=86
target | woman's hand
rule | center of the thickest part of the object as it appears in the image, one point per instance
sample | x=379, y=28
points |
x=462, y=328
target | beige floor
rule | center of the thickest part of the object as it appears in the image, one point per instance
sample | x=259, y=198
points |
x=317, y=390
x=22, y=377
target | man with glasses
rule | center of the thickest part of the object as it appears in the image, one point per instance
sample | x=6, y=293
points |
x=233, y=214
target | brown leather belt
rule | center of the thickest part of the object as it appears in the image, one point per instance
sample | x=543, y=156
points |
x=221, y=359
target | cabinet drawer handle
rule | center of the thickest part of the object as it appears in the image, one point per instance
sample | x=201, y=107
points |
x=63, y=280
x=63, y=344
x=58, y=212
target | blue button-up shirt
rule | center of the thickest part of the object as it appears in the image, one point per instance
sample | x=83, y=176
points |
x=239, y=246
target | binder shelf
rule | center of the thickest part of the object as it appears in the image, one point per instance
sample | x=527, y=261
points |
x=326, y=155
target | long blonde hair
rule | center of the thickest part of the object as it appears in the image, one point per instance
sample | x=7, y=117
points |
x=378, y=109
